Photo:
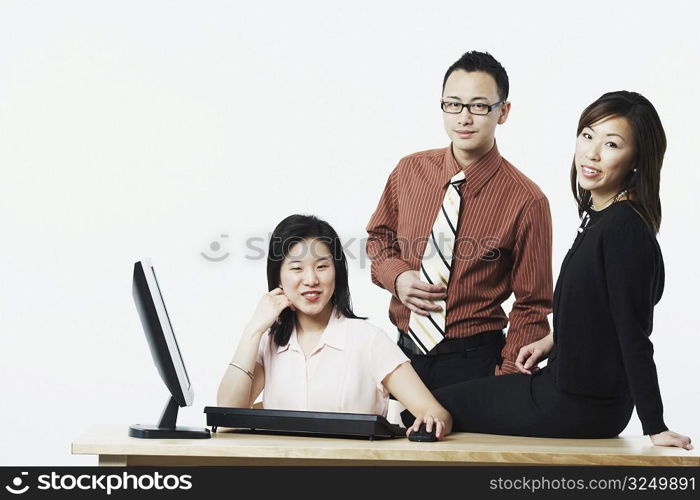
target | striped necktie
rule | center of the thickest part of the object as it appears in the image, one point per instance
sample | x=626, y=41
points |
x=427, y=331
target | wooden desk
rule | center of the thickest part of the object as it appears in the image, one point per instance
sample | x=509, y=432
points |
x=113, y=446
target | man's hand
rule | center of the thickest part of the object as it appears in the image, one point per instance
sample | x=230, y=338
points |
x=417, y=295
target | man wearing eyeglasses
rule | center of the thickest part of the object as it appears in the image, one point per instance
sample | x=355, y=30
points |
x=456, y=232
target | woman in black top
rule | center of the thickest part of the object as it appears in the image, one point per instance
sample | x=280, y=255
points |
x=600, y=357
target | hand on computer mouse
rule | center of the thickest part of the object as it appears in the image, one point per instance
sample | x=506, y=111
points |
x=427, y=426
x=422, y=434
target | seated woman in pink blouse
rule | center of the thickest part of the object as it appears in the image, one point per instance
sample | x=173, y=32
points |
x=307, y=349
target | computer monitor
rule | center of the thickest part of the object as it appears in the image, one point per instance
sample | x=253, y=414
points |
x=166, y=356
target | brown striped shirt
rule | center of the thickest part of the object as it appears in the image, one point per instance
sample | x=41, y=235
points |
x=503, y=245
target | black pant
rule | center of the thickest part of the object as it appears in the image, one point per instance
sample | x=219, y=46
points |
x=447, y=369
x=532, y=405
x=470, y=363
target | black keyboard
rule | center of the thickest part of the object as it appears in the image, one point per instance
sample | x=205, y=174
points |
x=303, y=423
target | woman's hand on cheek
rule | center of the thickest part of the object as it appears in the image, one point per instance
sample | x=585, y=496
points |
x=291, y=305
x=269, y=308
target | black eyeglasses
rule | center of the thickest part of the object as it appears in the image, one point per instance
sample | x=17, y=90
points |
x=478, y=108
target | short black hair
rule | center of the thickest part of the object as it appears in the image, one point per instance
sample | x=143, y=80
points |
x=481, y=61
x=292, y=230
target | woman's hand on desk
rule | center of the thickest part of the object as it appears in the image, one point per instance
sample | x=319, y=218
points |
x=670, y=438
x=269, y=308
x=531, y=354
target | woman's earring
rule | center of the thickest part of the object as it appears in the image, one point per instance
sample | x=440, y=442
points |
x=634, y=170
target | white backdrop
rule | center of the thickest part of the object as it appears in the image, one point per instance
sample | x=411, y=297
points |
x=132, y=128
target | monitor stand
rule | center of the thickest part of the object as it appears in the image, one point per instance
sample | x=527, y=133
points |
x=167, y=429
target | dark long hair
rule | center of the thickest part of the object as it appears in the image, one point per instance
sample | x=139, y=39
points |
x=650, y=146
x=292, y=230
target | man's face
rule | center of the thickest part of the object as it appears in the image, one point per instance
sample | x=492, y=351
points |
x=472, y=135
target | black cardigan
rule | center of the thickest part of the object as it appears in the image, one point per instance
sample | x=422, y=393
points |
x=604, y=299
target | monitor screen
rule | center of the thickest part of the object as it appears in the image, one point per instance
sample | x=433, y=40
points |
x=166, y=356
x=159, y=332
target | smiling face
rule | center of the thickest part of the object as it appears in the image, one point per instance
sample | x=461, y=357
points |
x=307, y=276
x=604, y=157
x=472, y=135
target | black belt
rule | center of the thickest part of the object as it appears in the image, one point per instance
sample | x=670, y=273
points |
x=451, y=346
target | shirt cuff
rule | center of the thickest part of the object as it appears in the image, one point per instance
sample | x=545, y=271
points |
x=655, y=428
x=507, y=367
x=390, y=270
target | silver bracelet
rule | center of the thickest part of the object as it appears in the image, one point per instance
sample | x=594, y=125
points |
x=242, y=369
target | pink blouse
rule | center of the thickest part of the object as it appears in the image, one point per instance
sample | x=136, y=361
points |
x=344, y=372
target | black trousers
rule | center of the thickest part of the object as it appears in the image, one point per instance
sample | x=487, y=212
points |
x=470, y=363
x=448, y=369
x=532, y=405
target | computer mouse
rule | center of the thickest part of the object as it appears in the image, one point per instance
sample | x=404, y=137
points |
x=422, y=434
